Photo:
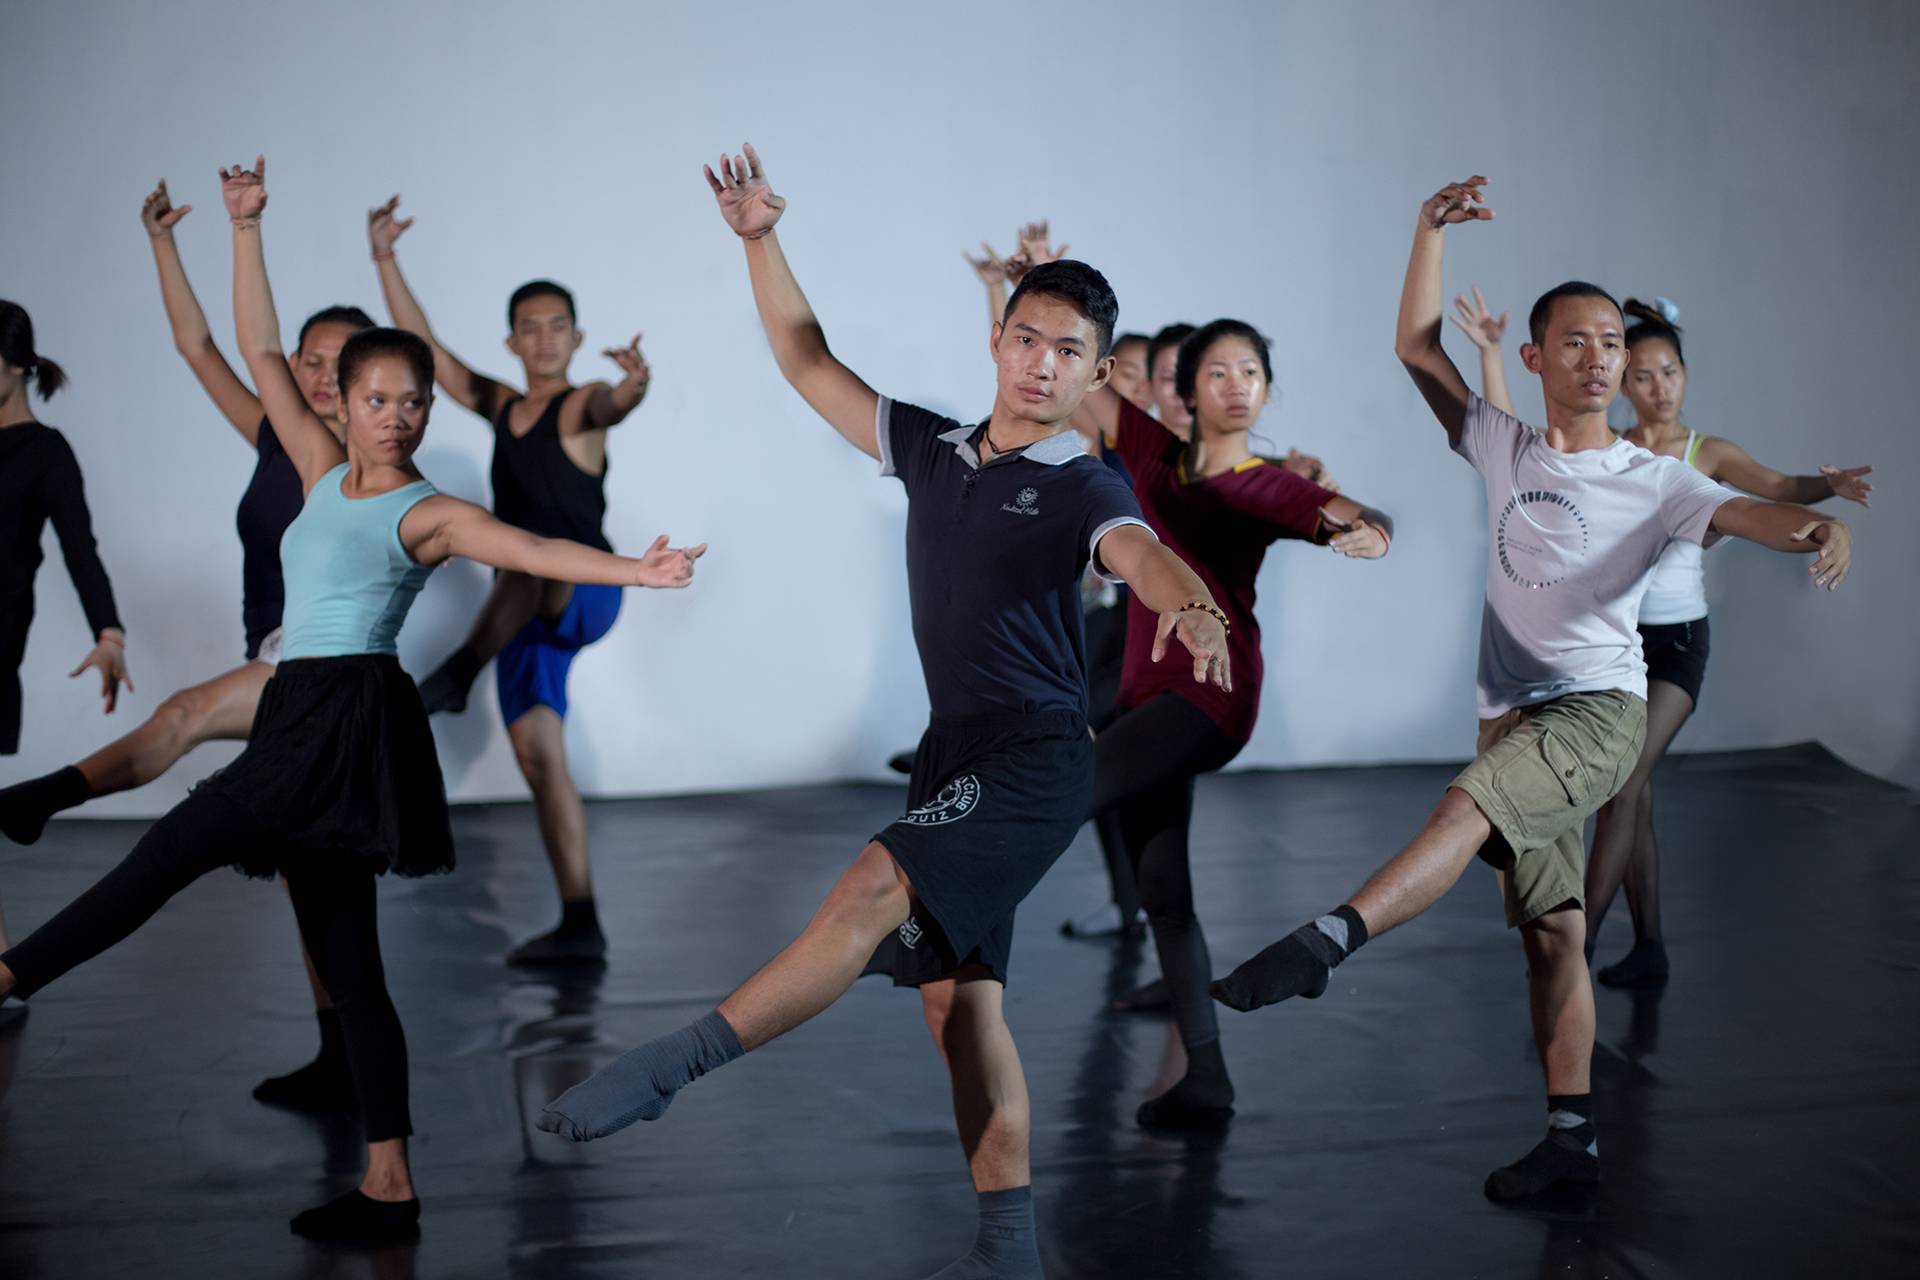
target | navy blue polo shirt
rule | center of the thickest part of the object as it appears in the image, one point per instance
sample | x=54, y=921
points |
x=994, y=558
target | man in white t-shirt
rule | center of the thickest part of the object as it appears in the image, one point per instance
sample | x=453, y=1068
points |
x=1576, y=518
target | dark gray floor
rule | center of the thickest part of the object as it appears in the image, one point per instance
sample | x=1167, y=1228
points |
x=1759, y=1118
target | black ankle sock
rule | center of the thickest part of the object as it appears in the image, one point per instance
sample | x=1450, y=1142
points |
x=1570, y=1153
x=1203, y=1098
x=26, y=806
x=1300, y=964
x=359, y=1219
x=1643, y=967
x=322, y=1087
x=446, y=689
x=576, y=940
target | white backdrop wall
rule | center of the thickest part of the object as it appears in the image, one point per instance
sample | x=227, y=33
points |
x=1752, y=161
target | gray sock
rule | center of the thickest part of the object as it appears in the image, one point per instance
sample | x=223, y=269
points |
x=640, y=1084
x=1006, y=1247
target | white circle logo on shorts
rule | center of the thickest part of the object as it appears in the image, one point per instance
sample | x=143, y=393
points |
x=955, y=801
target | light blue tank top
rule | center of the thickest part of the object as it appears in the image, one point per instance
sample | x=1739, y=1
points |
x=349, y=580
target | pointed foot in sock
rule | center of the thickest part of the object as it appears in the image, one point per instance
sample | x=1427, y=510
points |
x=560, y=948
x=1149, y=998
x=1286, y=969
x=359, y=1219
x=1558, y=1162
x=555, y=1119
x=1641, y=969
x=23, y=828
x=323, y=1087
x=442, y=694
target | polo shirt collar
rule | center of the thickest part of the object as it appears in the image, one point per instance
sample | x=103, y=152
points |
x=1059, y=448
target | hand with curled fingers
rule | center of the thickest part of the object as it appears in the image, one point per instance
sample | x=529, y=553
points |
x=157, y=213
x=1830, y=567
x=245, y=190
x=109, y=657
x=665, y=566
x=634, y=365
x=1204, y=638
x=384, y=226
x=1456, y=202
x=1478, y=323
x=746, y=201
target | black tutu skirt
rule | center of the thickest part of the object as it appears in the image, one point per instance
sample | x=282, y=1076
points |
x=341, y=765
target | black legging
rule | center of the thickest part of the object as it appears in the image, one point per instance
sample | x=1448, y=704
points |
x=1144, y=766
x=335, y=908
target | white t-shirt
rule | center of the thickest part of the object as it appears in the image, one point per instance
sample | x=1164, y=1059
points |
x=1571, y=538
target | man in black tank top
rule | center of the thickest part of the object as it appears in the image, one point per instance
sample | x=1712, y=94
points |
x=549, y=477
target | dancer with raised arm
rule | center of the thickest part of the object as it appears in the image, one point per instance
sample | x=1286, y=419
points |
x=1002, y=516
x=221, y=708
x=549, y=477
x=1674, y=635
x=1218, y=505
x=40, y=483
x=339, y=781
x=1575, y=519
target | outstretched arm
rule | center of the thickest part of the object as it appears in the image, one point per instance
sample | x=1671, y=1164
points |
x=474, y=390
x=444, y=526
x=1782, y=526
x=1723, y=460
x=312, y=447
x=1417, y=340
x=191, y=337
x=799, y=344
x=1356, y=530
x=1163, y=582
x=1485, y=332
x=608, y=405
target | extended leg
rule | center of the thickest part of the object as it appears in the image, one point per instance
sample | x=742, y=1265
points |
x=991, y=1110
x=1622, y=826
x=222, y=708
x=1300, y=963
x=514, y=601
x=199, y=834
x=870, y=901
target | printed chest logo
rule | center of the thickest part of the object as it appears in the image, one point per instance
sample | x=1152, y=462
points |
x=955, y=801
x=1025, y=503
x=1541, y=538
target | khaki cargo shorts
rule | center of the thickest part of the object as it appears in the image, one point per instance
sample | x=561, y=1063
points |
x=1540, y=772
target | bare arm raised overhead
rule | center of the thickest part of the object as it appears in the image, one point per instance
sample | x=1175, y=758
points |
x=191, y=336
x=312, y=447
x=1485, y=332
x=1417, y=339
x=474, y=390
x=799, y=344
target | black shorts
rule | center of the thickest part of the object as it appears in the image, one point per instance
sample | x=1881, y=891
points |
x=1676, y=652
x=992, y=804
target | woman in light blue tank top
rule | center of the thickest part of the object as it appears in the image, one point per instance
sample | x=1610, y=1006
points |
x=339, y=781
x=1673, y=614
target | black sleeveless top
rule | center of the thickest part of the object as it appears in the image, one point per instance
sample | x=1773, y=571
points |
x=539, y=488
x=271, y=501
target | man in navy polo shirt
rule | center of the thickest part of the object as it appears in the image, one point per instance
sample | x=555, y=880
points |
x=1003, y=516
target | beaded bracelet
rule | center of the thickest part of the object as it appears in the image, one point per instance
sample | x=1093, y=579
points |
x=1219, y=617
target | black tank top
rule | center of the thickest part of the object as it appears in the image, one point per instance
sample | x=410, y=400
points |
x=268, y=506
x=539, y=488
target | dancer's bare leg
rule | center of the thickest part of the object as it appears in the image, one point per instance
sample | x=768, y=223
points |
x=220, y=709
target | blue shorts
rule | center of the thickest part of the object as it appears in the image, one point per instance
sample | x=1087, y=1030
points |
x=532, y=670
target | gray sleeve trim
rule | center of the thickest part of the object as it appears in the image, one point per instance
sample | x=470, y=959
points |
x=1093, y=544
x=882, y=411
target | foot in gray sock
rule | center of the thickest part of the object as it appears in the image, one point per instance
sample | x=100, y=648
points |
x=1006, y=1247
x=640, y=1084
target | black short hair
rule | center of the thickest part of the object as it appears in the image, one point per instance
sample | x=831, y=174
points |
x=380, y=341
x=1187, y=371
x=540, y=289
x=1171, y=336
x=1073, y=282
x=1122, y=339
x=16, y=348
x=1651, y=324
x=1543, y=306
x=334, y=315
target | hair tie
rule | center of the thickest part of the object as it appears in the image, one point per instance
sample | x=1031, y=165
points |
x=1668, y=309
